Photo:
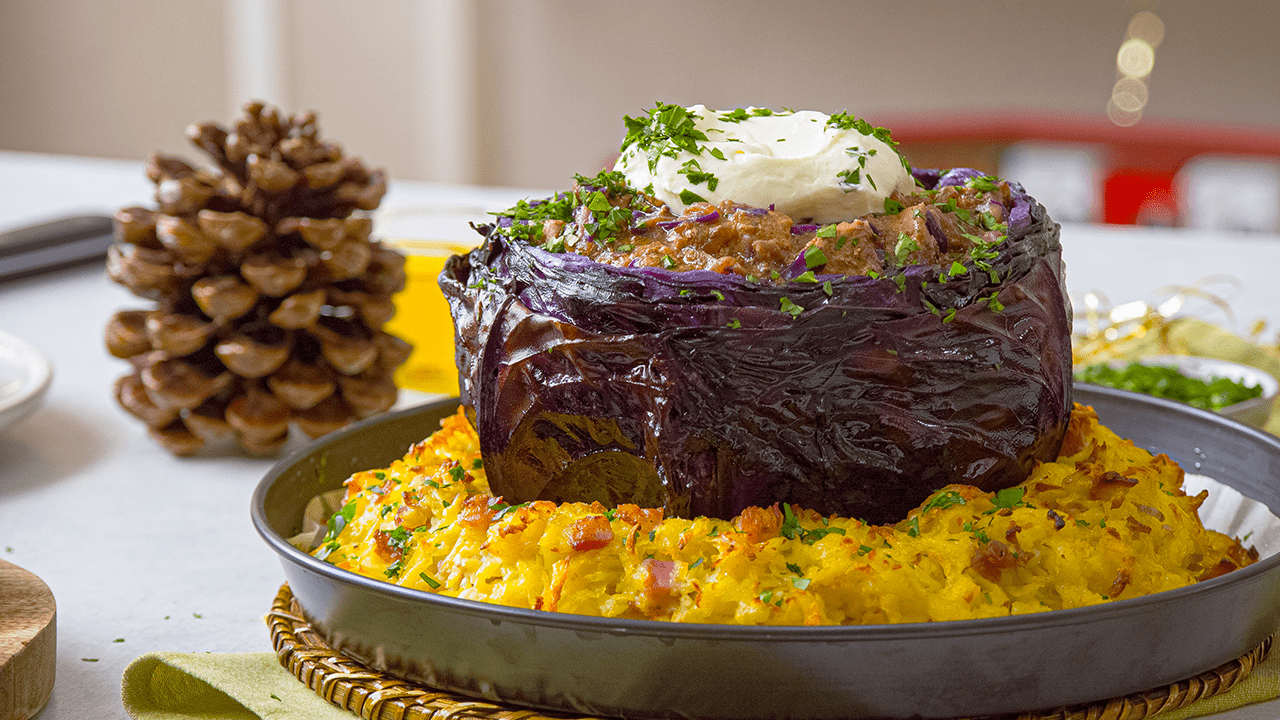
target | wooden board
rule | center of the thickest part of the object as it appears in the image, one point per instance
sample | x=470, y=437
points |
x=28, y=643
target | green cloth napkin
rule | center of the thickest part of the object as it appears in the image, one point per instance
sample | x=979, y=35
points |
x=253, y=686
x=1262, y=684
x=220, y=686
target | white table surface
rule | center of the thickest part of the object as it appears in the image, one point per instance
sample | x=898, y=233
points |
x=144, y=551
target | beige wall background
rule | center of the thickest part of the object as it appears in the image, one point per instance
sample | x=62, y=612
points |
x=527, y=92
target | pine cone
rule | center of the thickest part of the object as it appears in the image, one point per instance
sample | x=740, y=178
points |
x=269, y=295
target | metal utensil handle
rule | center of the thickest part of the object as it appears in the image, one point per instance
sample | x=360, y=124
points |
x=54, y=244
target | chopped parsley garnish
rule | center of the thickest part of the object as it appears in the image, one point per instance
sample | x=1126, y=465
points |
x=606, y=221
x=501, y=509
x=689, y=197
x=398, y=538
x=527, y=217
x=668, y=262
x=826, y=288
x=851, y=177
x=795, y=569
x=807, y=276
x=696, y=176
x=800, y=583
x=892, y=207
x=430, y=581
x=339, y=520
x=734, y=323
x=667, y=130
x=978, y=533
x=791, y=528
x=1009, y=498
x=905, y=245
x=814, y=257
x=989, y=222
x=789, y=307
x=826, y=231
x=737, y=115
x=942, y=500
x=985, y=183
x=597, y=202
x=845, y=121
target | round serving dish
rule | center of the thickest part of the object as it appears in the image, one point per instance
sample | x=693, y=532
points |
x=633, y=668
x=25, y=375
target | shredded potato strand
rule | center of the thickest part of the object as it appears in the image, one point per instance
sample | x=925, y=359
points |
x=1105, y=521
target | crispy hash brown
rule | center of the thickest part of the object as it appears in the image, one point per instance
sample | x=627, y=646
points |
x=1105, y=521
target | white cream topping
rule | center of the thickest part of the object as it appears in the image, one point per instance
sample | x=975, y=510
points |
x=806, y=167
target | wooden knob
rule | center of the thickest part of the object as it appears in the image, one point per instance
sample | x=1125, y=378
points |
x=28, y=643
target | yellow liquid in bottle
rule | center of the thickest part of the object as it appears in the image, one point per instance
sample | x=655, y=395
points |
x=422, y=318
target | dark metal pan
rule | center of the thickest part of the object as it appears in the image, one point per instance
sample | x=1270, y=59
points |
x=648, y=669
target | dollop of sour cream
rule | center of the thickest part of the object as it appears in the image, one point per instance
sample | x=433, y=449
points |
x=814, y=167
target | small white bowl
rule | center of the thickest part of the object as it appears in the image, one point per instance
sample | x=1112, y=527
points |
x=25, y=375
x=1251, y=412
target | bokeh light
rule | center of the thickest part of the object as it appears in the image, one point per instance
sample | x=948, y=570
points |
x=1134, y=63
x=1129, y=94
x=1136, y=58
x=1147, y=26
x=1122, y=117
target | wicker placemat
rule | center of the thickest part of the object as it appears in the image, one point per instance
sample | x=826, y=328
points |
x=374, y=695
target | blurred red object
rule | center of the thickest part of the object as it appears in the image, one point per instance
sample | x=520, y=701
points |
x=1139, y=162
x=1139, y=198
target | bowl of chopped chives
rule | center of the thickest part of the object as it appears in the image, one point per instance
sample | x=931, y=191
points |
x=1240, y=392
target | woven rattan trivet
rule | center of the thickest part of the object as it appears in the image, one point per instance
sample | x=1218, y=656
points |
x=374, y=695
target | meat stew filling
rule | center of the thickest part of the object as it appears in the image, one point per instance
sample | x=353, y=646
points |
x=615, y=225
